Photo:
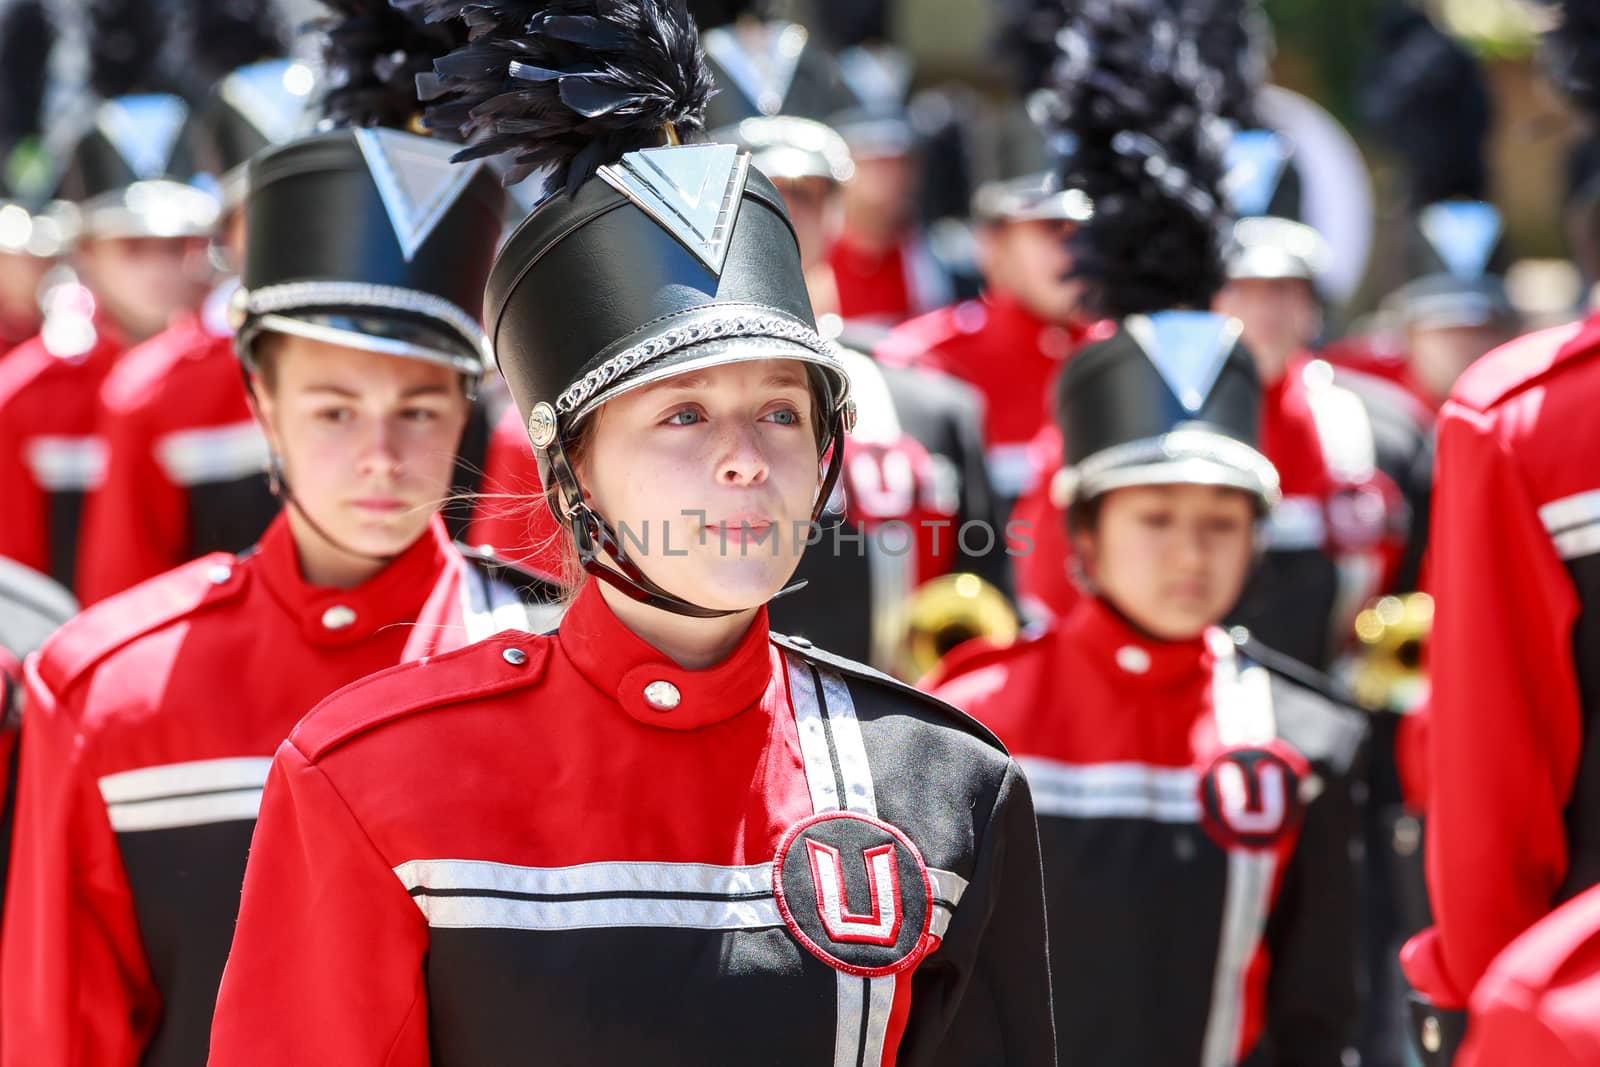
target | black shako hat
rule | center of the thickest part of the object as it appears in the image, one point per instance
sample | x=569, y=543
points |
x=367, y=235
x=650, y=258
x=1170, y=398
x=247, y=111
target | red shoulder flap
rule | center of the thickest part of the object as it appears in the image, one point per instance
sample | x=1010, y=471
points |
x=1523, y=362
x=506, y=661
x=109, y=625
x=141, y=370
x=908, y=344
x=979, y=653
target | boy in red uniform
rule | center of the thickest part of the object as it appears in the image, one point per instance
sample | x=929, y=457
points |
x=151, y=719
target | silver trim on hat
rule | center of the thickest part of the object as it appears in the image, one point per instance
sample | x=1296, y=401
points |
x=591, y=385
x=1161, y=461
x=298, y=296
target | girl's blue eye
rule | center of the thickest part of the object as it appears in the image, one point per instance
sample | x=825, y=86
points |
x=334, y=415
x=785, y=417
x=686, y=417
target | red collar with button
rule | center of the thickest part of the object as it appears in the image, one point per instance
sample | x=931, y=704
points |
x=1098, y=629
x=648, y=685
x=335, y=617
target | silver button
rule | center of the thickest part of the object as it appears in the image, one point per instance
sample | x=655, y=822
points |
x=1133, y=659
x=663, y=696
x=1431, y=1038
x=514, y=656
x=338, y=617
x=800, y=642
x=219, y=574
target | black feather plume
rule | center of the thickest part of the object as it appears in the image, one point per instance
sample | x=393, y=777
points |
x=128, y=46
x=27, y=37
x=224, y=35
x=1570, y=52
x=1427, y=103
x=1139, y=107
x=709, y=14
x=1025, y=39
x=372, y=55
x=1235, y=40
x=567, y=85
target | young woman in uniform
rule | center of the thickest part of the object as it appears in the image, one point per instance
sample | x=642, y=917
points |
x=150, y=720
x=661, y=834
x=1195, y=812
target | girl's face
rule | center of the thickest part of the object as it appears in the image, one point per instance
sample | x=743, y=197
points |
x=368, y=440
x=1173, y=559
x=708, y=479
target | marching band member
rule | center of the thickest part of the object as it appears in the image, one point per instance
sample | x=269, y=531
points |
x=1193, y=787
x=185, y=470
x=662, y=833
x=151, y=719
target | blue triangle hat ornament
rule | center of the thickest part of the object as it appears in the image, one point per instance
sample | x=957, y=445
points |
x=1464, y=234
x=1255, y=162
x=271, y=95
x=1187, y=348
x=144, y=129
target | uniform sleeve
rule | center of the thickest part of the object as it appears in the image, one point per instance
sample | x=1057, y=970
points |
x=1511, y=1033
x=327, y=959
x=1312, y=939
x=74, y=985
x=984, y=996
x=25, y=530
x=977, y=500
x=136, y=525
x=1504, y=721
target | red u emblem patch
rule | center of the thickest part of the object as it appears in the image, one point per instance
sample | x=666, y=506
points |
x=854, y=892
x=1250, y=795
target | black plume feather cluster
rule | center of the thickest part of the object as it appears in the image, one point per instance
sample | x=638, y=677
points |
x=567, y=85
x=1139, y=107
x=128, y=46
x=1570, y=52
x=1025, y=39
x=224, y=35
x=1235, y=40
x=372, y=56
x=1427, y=103
x=709, y=14
x=27, y=37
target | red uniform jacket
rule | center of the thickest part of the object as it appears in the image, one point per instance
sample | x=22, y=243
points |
x=1010, y=356
x=890, y=287
x=1514, y=750
x=1196, y=823
x=185, y=462
x=51, y=453
x=570, y=848
x=1537, y=1002
x=1328, y=547
x=150, y=723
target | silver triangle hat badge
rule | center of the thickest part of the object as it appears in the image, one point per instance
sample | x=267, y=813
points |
x=416, y=181
x=1187, y=348
x=691, y=191
x=763, y=74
